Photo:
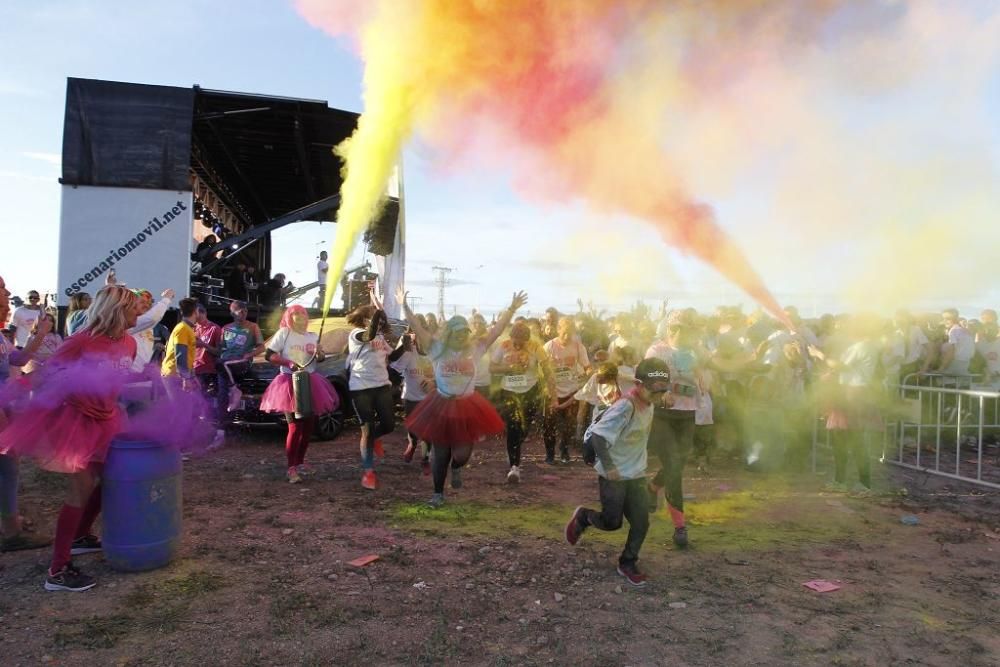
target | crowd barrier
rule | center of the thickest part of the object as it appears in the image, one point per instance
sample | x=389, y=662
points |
x=943, y=425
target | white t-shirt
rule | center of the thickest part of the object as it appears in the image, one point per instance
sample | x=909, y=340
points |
x=367, y=363
x=990, y=351
x=568, y=363
x=483, y=376
x=455, y=370
x=24, y=319
x=915, y=341
x=683, y=365
x=416, y=370
x=321, y=269
x=965, y=345
x=298, y=347
x=506, y=354
x=859, y=364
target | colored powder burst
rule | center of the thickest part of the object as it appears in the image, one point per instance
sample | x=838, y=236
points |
x=541, y=75
x=631, y=105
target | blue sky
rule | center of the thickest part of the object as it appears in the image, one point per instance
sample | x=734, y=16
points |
x=473, y=222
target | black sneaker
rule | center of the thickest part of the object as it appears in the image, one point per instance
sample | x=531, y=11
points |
x=681, y=537
x=69, y=579
x=632, y=574
x=87, y=544
x=550, y=459
x=575, y=528
x=564, y=457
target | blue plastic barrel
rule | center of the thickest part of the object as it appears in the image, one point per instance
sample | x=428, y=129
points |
x=141, y=503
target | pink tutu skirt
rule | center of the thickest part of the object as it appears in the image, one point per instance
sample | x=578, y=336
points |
x=454, y=421
x=279, y=397
x=63, y=439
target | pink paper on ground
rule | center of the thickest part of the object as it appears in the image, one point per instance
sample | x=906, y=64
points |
x=821, y=586
x=361, y=561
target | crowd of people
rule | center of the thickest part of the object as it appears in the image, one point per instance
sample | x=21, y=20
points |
x=608, y=389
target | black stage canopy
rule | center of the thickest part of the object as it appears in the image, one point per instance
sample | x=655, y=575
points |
x=263, y=156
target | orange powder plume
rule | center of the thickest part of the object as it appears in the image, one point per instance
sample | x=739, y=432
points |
x=545, y=79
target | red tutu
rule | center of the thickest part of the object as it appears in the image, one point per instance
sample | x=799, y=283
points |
x=279, y=397
x=454, y=421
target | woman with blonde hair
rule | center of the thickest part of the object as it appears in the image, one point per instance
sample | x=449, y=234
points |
x=68, y=426
x=76, y=314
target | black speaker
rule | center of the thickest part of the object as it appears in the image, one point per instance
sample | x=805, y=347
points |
x=382, y=232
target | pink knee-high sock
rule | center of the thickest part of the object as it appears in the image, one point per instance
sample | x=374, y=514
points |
x=90, y=512
x=292, y=442
x=676, y=515
x=305, y=431
x=66, y=525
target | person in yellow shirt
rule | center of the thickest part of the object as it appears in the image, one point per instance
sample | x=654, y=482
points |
x=178, y=360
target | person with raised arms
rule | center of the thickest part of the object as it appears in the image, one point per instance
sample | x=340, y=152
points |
x=454, y=417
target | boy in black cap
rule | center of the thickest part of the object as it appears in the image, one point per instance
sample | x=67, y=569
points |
x=619, y=441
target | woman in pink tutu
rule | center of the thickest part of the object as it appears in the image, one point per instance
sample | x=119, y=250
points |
x=72, y=417
x=295, y=348
x=454, y=416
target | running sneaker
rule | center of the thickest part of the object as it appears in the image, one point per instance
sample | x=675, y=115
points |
x=550, y=459
x=293, y=475
x=514, y=476
x=369, y=480
x=632, y=574
x=379, y=451
x=575, y=528
x=409, y=451
x=305, y=469
x=437, y=500
x=564, y=457
x=68, y=578
x=218, y=440
x=456, y=478
x=87, y=544
x=681, y=537
x=425, y=467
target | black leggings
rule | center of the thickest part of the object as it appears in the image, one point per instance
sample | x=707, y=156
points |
x=375, y=410
x=671, y=439
x=518, y=411
x=851, y=443
x=559, y=427
x=444, y=456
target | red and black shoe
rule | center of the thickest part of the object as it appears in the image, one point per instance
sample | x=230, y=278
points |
x=632, y=574
x=575, y=526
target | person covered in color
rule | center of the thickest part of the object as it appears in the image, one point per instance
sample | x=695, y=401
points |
x=520, y=361
x=68, y=426
x=454, y=416
x=368, y=358
x=14, y=528
x=294, y=348
x=619, y=440
x=570, y=365
x=240, y=342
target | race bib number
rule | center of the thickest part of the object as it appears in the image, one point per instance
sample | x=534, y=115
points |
x=515, y=382
x=565, y=375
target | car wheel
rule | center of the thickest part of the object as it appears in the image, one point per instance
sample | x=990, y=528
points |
x=330, y=425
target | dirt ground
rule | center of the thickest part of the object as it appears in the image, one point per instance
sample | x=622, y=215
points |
x=263, y=575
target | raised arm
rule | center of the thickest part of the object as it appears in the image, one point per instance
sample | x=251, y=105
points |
x=518, y=300
x=423, y=335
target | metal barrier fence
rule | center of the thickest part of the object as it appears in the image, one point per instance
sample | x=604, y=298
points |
x=940, y=424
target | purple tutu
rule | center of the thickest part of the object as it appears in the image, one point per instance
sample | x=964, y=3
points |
x=279, y=397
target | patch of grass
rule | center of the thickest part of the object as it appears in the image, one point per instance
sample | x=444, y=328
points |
x=95, y=632
x=766, y=516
